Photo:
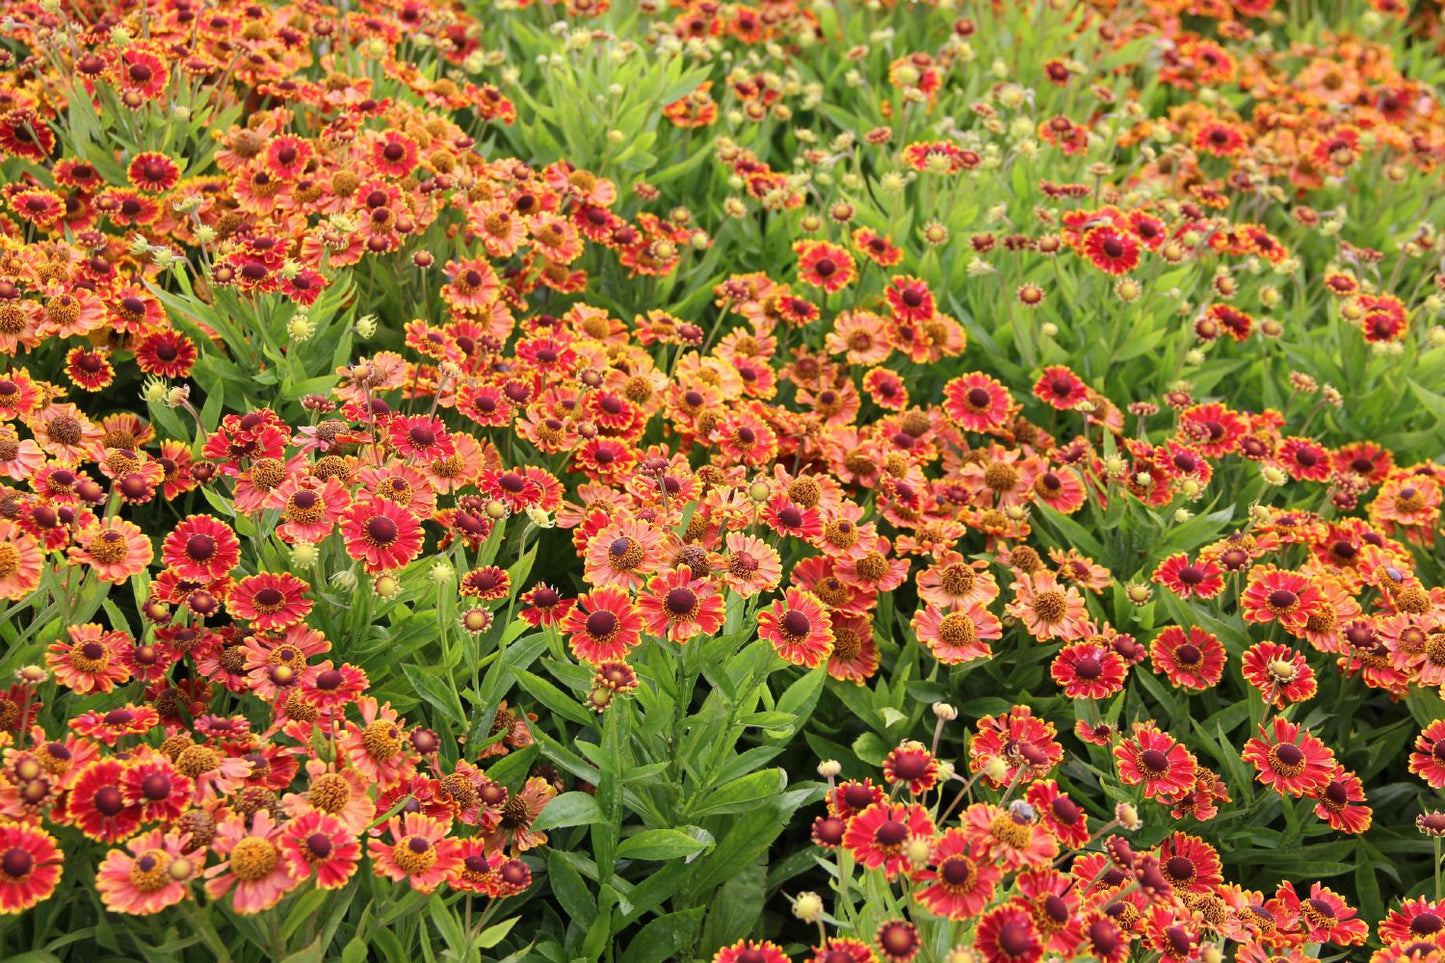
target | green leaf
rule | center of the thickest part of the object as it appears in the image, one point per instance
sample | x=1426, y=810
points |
x=662, y=844
x=569, y=809
x=435, y=692
x=662, y=938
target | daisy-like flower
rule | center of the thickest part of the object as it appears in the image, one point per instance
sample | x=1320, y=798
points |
x=315, y=842
x=750, y=951
x=952, y=582
x=1203, y=579
x=1089, y=670
x=1289, y=760
x=623, y=554
x=91, y=661
x=420, y=437
x=977, y=402
x=1059, y=814
x=1277, y=595
x=825, y=265
x=378, y=749
x=1058, y=387
x=152, y=784
x=342, y=793
x=270, y=600
x=910, y=300
x=1008, y=935
x=1341, y=803
x=678, y=606
x=30, y=865
x=911, y=764
x=151, y=873
x=750, y=565
x=1279, y=673
x=798, y=627
x=960, y=878
x=1189, y=863
x=1327, y=918
x=381, y=535
x=328, y=686
x=878, y=836
x=201, y=547
x=514, y=825
x=1111, y=251
x=958, y=635
x=603, y=626
x=114, y=549
x=1191, y=661
x=1047, y=609
x=1427, y=758
x=1155, y=760
x=1418, y=918
x=252, y=870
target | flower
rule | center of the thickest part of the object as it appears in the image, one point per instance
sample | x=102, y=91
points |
x=1289, y=760
x=878, y=836
x=603, y=626
x=1279, y=673
x=381, y=535
x=253, y=871
x=959, y=635
x=961, y=877
x=270, y=600
x=91, y=661
x=1327, y=918
x=797, y=625
x=1088, y=670
x=1193, y=661
x=1276, y=595
x=1007, y=934
x=678, y=606
x=201, y=547
x=30, y=865
x=150, y=874
x=750, y=951
x=911, y=764
x=1162, y=765
x=1203, y=579
x=1427, y=758
x=1048, y=610
x=1058, y=387
x=1340, y=803
x=114, y=549
x=420, y=853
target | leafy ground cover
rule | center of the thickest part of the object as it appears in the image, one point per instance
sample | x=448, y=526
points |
x=704, y=481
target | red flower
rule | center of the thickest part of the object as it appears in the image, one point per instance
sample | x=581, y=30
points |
x=749, y=951
x=603, y=626
x=1110, y=250
x=1340, y=803
x=1060, y=388
x=977, y=402
x=201, y=547
x=1061, y=815
x=1279, y=673
x=1163, y=766
x=1193, y=661
x=879, y=835
x=1327, y=918
x=909, y=299
x=319, y=843
x=270, y=600
x=30, y=865
x=1088, y=670
x=798, y=627
x=96, y=805
x=824, y=265
x=1008, y=935
x=1203, y=579
x=1427, y=760
x=1289, y=760
x=679, y=607
x=961, y=877
x=912, y=765
x=381, y=535
x=1276, y=595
